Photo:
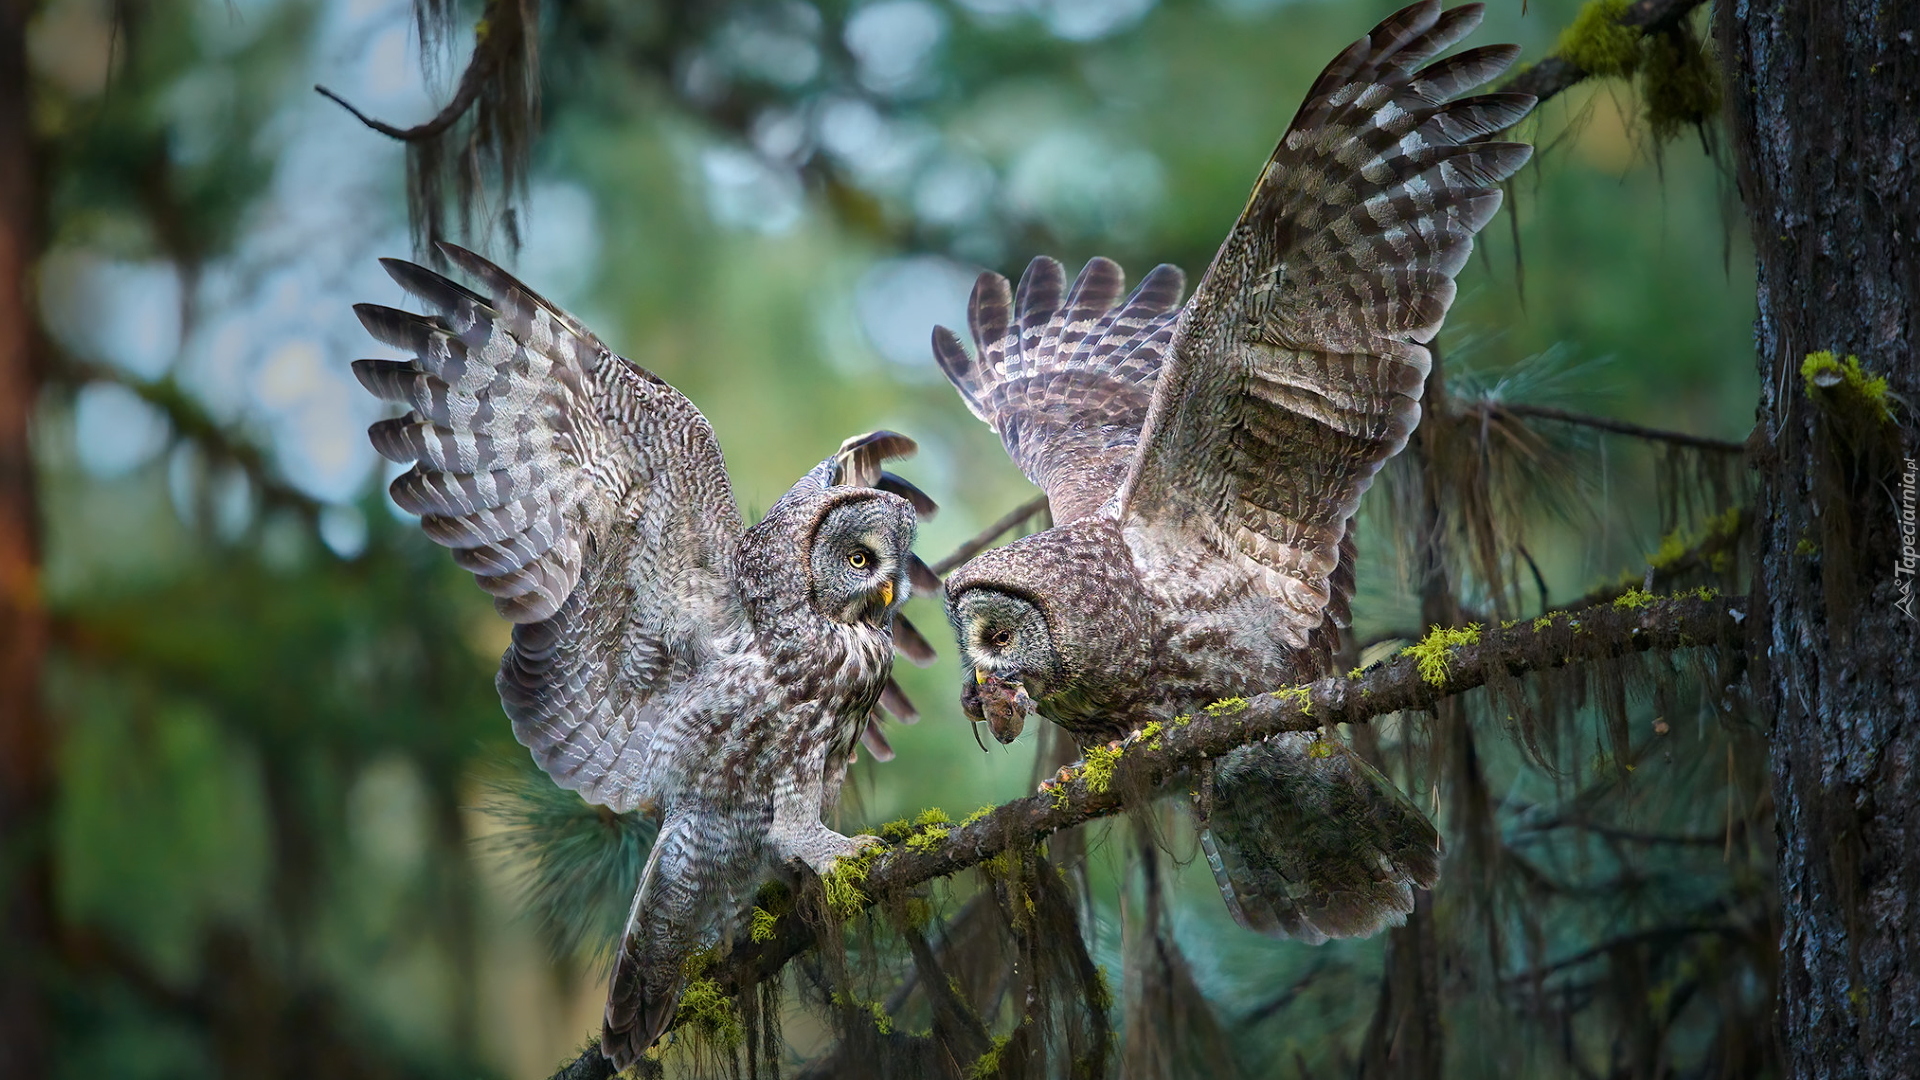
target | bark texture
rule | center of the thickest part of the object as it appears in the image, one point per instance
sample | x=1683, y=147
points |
x=1825, y=100
x=25, y=915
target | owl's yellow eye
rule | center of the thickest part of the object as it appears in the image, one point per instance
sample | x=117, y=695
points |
x=1000, y=639
x=860, y=560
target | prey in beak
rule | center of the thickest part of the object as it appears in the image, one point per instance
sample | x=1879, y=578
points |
x=1002, y=702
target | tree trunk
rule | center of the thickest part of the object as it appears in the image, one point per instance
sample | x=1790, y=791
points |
x=1825, y=111
x=25, y=774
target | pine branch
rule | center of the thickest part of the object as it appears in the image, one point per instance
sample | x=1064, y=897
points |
x=1408, y=682
x=1616, y=427
x=589, y=1064
x=1007, y=523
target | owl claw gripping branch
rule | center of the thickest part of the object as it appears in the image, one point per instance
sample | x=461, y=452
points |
x=665, y=657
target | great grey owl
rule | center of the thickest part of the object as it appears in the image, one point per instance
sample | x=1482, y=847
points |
x=1203, y=463
x=664, y=657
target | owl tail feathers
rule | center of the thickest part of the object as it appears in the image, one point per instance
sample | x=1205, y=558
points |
x=663, y=932
x=1307, y=841
x=640, y=1006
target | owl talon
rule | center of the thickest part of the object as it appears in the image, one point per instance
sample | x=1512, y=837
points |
x=1064, y=776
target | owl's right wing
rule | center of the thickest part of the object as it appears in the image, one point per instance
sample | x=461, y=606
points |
x=1065, y=381
x=585, y=494
x=1297, y=367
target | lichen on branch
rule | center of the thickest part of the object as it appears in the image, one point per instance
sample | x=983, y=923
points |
x=1143, y=768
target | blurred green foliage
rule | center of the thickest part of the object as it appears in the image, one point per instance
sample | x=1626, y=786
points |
x=274, y=700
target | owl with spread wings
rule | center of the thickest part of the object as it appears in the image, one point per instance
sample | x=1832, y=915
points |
x=664, y=657
x=1203, y=463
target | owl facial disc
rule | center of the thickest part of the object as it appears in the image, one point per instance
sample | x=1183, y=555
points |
x=860, y=558
x=1008, y=652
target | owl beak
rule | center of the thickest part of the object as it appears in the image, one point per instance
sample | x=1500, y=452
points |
x=877, y=605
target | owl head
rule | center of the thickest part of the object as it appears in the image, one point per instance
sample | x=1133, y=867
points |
x=845, y=529
x=858, y=556
x=1037, y=620
x=1007, y=654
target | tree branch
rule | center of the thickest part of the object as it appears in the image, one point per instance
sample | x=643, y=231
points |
x=1701, y=555
x=192, y=422
x=995, y=531
x=1555, y=74
x=1601, y=423
x=481, y=67
x=1570, y=638
x=463, y=99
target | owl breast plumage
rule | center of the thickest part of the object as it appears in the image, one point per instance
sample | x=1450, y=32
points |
x=664, y=658
x=1203, y=462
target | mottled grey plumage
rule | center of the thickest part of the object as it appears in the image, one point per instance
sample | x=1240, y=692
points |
x=1204, y=462
x=664, y=657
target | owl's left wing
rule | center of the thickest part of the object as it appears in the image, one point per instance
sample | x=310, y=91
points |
x=1297, y=366
x=583, y=492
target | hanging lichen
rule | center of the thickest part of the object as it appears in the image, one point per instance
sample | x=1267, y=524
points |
x=1680, y=83
x=1596, y=42
x=710, y=1014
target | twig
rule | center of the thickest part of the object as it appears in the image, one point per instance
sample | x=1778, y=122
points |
x=1554, y=74
x=993, y=532
x=1629, y=836
x=463, y=100
x=1655, y=935
x=482, y=66
x=1617, y=427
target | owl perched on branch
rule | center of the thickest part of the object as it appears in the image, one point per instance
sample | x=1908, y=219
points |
x=1203, y=464
x=664, y=657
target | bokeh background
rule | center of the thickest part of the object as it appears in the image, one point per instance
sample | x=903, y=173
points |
x=273, y=698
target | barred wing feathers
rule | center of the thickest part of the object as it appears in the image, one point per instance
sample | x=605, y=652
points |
x=1296, y=368
x=1065, y=375
x=588, y=496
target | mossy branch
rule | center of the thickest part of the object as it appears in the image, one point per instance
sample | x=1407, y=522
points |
x=1711, y=548
x=1558, y=73
x=1417, y=680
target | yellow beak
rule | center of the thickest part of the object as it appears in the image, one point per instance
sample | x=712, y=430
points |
x=979, y=676
x=886, y=594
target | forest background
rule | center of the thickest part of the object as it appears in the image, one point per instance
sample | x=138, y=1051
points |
x=275, y=735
